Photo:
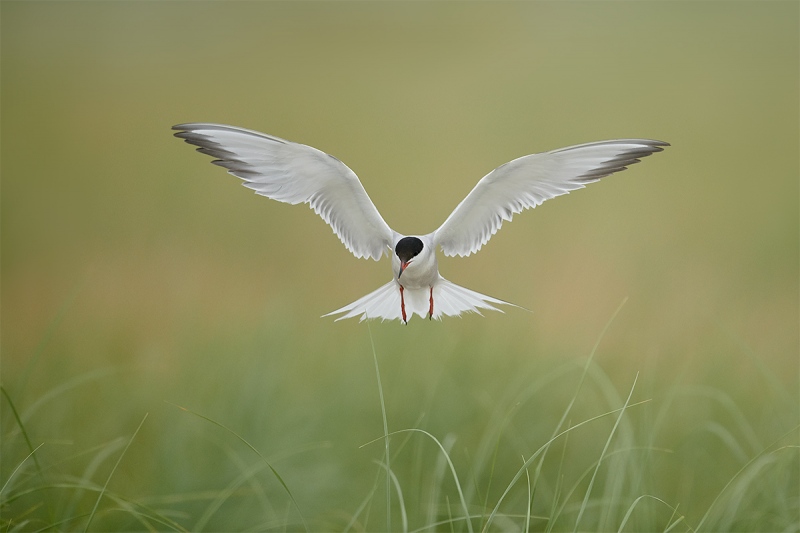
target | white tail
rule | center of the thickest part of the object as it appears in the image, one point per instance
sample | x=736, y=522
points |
x=449, y=299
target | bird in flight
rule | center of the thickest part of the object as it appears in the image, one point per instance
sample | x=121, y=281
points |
x=295, y=173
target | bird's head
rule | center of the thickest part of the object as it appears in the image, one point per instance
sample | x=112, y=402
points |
x=406, y=250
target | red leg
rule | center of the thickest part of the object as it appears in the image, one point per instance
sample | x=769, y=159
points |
x=430, y=311
x=403, y=305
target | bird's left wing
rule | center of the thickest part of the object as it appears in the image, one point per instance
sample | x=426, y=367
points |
x=295, y=173
x=527, y=182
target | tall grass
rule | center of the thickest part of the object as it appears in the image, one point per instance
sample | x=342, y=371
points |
x=599, y=465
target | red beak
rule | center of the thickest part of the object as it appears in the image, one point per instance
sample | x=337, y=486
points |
x=403, y=265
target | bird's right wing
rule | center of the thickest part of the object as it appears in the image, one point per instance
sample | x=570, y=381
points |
x=527, y=182
x=295, y=173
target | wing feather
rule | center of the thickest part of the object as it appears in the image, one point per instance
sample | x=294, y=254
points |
x=295, y=173
x=528, y=181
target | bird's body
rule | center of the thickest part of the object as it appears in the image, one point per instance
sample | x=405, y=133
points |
x=295, y=173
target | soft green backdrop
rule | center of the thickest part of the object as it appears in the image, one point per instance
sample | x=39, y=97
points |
x=134, y=273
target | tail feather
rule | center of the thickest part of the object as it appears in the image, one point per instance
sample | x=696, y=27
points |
x=383, y=303
x=449, y=300
x=452, y=300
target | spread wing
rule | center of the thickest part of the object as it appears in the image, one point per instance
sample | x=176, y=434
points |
x=295, y=173
x=527, y=182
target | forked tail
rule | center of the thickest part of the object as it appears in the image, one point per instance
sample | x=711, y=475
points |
x=449, y=299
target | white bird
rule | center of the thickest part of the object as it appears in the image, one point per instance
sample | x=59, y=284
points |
x=295, y=173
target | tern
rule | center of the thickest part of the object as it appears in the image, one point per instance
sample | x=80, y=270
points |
x=295, y=173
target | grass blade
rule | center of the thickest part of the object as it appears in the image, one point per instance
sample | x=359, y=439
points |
x=400, y=500
x=450, y=464
x=5, y=485
x=636, y=502
x=538, y=452
x=602, y=454
x=741, y=471
x=100, y=496
x=253, y=448
x=385, y=433
x=22, y=429
x=530, y=500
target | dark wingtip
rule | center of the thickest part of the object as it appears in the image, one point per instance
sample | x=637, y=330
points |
x=182, y=131
x=656, y=146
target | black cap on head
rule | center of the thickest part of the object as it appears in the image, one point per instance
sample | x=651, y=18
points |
x=408, y=247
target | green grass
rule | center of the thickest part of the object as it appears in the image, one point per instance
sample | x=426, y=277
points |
x=599, y=465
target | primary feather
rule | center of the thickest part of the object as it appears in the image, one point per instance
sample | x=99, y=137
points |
x=528, y=181
x=295, y=173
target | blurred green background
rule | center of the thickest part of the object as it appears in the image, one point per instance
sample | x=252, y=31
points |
x=135, y=275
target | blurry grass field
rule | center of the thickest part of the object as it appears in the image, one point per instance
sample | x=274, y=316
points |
x=164, y=366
